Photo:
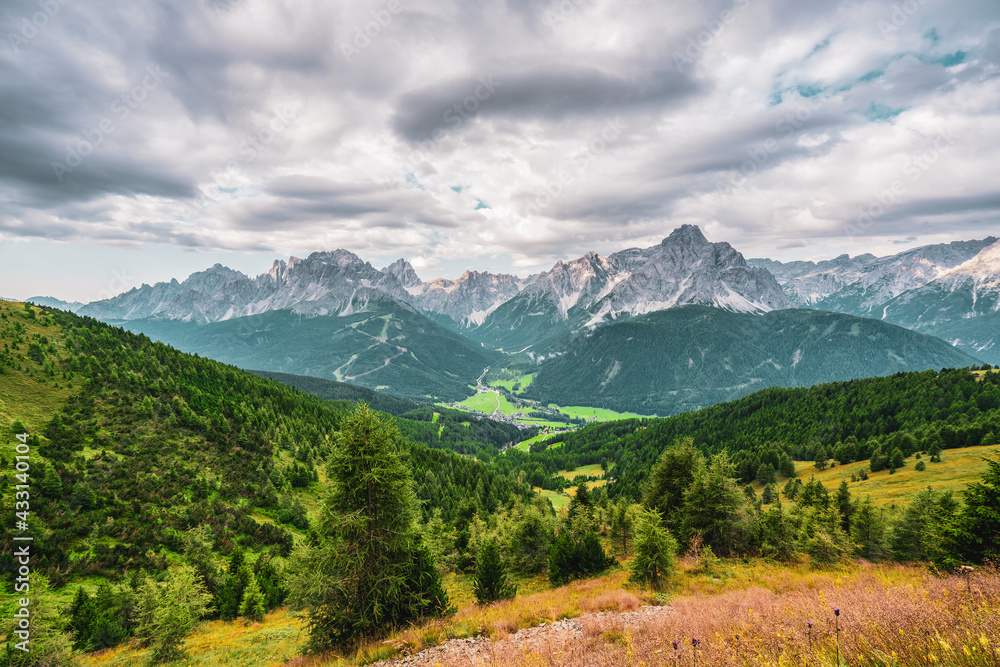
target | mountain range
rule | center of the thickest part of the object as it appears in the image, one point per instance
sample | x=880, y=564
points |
x=333, y=315
x=939, y=289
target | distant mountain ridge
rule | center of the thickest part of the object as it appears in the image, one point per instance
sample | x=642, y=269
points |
x=860, y=285
x=335, y=316
x=936, y=289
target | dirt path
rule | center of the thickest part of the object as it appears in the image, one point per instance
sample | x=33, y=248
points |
x=563, y=642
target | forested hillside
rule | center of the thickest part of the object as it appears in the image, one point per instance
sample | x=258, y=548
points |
x=390, y=346
x=134, y=443
x=690, y=357
x=435, y=427
x=846, y=421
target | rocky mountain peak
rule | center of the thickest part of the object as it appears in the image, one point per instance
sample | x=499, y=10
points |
x=686, y=235
x=404, y=273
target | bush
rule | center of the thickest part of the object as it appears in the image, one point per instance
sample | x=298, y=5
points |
x=572, y=558
x=169, y=610
x=921, y=466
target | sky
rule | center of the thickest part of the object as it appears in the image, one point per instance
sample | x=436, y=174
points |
x=152, y=141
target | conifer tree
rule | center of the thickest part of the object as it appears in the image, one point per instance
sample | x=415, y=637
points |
x=373, y=571
x=491, y=582
x=253, y=605
x=868, y=531
x=81, y=613
x=622, y=526
x=655, y=551
x=673, y=473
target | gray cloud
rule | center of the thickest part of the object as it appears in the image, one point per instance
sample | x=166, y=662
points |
x=371, y=152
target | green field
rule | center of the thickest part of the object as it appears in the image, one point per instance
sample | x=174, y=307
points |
x=524, y=381
x=596, y=414
x=558, y=500
x=523, y=446
x=489, y=402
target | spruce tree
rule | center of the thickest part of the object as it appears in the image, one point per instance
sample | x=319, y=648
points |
x=673, y=473
x=373, y=571
x=868, y=531
x=82, y=614
x=491, y=582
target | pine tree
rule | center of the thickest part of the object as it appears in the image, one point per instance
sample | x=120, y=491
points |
x=868, y=531
x=973, y=534
x=712, y=507
x=374, y=571
x=673, y=473
x=655, y=551
x=81, y=613
x=843, y=503
x=253, y=605
x=51, y=484
x=231, y=594
x=491, y=582
x=176, y=605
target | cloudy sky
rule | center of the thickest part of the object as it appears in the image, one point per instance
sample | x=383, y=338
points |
x=154, y=140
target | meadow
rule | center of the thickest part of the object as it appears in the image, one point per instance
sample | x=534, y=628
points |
x=957, y=468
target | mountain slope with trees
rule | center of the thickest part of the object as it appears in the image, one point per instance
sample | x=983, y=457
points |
x=762, y=433
x=689, y=357
x=137, y=443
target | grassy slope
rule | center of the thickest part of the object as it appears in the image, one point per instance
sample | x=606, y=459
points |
x=30, y=395
x=738, y=609
x=958, y=467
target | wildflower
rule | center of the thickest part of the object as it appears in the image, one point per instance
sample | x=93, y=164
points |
x=810, y=624
x=695, y=642
x=674, y=645
x=836, y=612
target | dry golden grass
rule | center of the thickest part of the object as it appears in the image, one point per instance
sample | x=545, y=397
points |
x=892, y=615
x=273, y=642
x=743, y=614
